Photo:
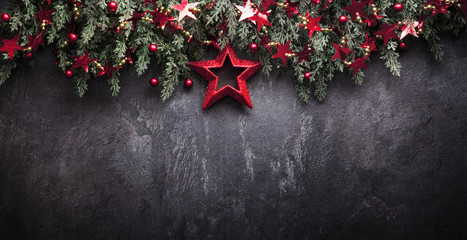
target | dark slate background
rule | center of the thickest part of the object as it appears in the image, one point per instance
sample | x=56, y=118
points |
x=385, y=160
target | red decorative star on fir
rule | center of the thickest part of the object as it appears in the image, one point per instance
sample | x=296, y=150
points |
x=35, y=41
x=184, y=9
x=261, y=19
x=282, y=50
x=83, y=62
x=387, y=32
x=341, y=52
x=108, y=70
x=304, y=55
x=372, y=19
x=45, y=14
x=291, y=8
x=312, y=24
x=161, y=18
x=247, y=11
x=358, y=64
x=356, y=7
x=438, y=7
x=213, y=95
x=10, y=46
x=409, y=28
x=369, y=42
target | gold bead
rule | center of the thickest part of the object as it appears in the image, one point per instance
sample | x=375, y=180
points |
x=123, y=61
x=419, y=31
x=162, y=8
x=399, y=23
x=169, y=10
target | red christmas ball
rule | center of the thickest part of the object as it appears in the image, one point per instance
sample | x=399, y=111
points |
x=253, y=47
x=72, y=37
x=402, y=46
x=188, y=83
x=154, y=82
x=343, y=19
x=398, y=7
x=68, y=74
x=112, y=6
x=28, y=56
x=307, y=75
x=5, y=17
x=152, y=48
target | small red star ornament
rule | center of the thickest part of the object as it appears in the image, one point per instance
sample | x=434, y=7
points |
x=10, y=46
x=356, y=7
x=341, y=52
x=304, y=55
x=312, y=24
x=409, y=28
x=247, y=11
x=387, y=32
x=161, y=18
x=358, y=64
x=282, y=50
x=184, y=9
x=108, y=70
x=213, y=95
x=82, y=62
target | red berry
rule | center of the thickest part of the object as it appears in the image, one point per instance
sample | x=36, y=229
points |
x=112, y=6
x=28, y=56
x=5, y=17
x=154, y=82
x=188, y=83
x=152, y=48
x=402, y=46
x=253, y=47
x=72, y=37
x=307, y=75
x=343, y=19
x=69, y=74
x=398, y=7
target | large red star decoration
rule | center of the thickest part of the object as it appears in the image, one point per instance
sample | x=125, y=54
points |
x=83, y=62
x=282, y=50
x=213, y=95
x=161, y=18
x=10, y=46
x=312, y=24
x=387, y=32
x=356, y=7
x=184, y=9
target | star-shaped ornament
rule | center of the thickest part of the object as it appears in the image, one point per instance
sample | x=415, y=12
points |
x=35, y=41
x=312, y=24
x=387, y=32
x=162, y=19
x=409, y=28
x=184, y=9
x=108, y=70
x=83, y=62
x=341, y=52
x=356, y=7
x=213, y=95
x=261, y=19
x=291, y=8
x=304, y=55
x=10, y=46
x=358, y=64
x=282, y=50
x=370, y=42
x=247, y=11
x=45, y=14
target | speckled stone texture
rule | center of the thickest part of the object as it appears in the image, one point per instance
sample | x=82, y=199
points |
x=385, y=160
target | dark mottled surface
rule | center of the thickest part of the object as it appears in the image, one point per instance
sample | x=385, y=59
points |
x=386, y=160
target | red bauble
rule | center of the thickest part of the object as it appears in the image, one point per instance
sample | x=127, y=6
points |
x=69, y=74
x=307, y=75
x=253, y=47
x=402, y=46
x=152, y=48
x=154, y=82
x=28, y=56
x=398, y=7
x=188, y=83
x=343, y=19
x=5, y=17
x=72, y=37
x=112, y=6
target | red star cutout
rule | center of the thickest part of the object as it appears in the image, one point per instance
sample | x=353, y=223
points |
x=409, y=28
x=10, y=46
x=184, y=9
x=247, y=11
x=213, y=95
x=312, y=25
x=372, y=19
x=162, y=18
x=439, y=7
x=341, y=52
x=369, y=42
x=291, y=8
x=108, y=70
x=83, y=62
x=387, y=32
x=304, y=55
x=358, y=64
x=282, y=50
x=267, y=3
x=34, y=42
x=356, y=7
x=261, y=19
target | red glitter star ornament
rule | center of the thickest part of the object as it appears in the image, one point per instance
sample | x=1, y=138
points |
x=282, y=51
x=304, y=55
x=291, y=8
x=409, y=28
x=261, y=19
x=341, y=52
x=356, y=7
x=213, y=95
x=358, y=64
x=108, y=70
x=184, y=9
x=35, y=41
x=83, y=62
x=10, y=46
x=161, y=18
x=247, y=11
x=312, y=25
x=387, y=32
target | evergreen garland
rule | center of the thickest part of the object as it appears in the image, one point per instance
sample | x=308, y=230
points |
x=114, y=39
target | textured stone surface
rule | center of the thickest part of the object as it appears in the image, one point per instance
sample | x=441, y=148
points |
x=385, y=160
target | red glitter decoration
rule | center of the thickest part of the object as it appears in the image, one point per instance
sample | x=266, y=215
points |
x=213, y=95
x=312, y=24
x=282, y=50
x=387, y=32
x=10, y=46
x=83, y=62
